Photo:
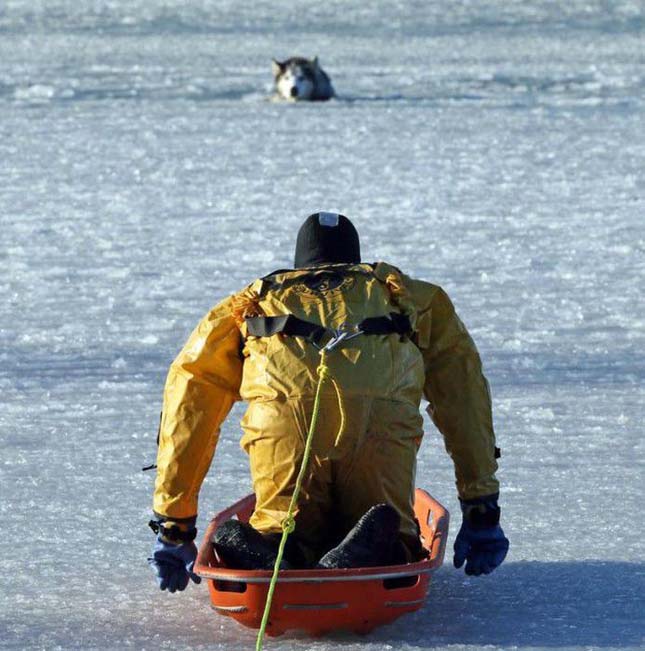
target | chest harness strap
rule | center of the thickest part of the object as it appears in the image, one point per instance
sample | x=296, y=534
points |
x=288, y=324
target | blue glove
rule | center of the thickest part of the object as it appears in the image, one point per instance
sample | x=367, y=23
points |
x=481, y=543
x=173, y=557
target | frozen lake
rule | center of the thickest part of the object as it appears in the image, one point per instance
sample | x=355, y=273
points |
x=494, y=148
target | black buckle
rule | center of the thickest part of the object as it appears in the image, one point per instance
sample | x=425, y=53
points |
x=173, y=533
x=482, y=516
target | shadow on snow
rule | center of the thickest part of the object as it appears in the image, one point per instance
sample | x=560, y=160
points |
x=531, y=604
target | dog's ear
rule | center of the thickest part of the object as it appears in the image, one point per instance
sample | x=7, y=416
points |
x=276, y=67
x=314, y=63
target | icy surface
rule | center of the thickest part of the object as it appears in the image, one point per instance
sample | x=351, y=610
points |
x=496, y=148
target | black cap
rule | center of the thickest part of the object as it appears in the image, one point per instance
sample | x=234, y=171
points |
x=327, y=238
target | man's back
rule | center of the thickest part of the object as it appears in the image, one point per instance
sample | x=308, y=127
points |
x=321, y=301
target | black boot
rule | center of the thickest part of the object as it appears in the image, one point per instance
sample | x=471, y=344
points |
x=372, y=542
x=241, y=547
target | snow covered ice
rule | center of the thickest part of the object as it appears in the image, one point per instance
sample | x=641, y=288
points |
x=494, y=148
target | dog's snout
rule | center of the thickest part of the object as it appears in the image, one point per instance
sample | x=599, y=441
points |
x=294, y=91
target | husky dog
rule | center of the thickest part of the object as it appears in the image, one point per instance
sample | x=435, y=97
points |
x=301, y=79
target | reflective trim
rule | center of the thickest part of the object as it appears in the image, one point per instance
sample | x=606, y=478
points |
x=404, y=604
x=338, y=606
x=230, y=609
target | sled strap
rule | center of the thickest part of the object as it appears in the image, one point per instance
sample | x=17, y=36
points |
x=291, y=325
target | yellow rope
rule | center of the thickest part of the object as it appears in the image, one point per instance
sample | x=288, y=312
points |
x=289, y=523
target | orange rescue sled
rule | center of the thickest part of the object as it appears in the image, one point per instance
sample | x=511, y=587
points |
x=320, y=601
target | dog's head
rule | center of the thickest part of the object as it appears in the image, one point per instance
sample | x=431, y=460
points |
x=295, y=78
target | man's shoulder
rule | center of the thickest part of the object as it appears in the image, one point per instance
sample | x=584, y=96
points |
x=421, y=291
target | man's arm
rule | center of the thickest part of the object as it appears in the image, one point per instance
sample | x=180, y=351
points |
x=201, y=387
x=459, y=397
x=460, y=406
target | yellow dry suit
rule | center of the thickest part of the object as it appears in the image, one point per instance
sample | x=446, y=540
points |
x=262, y=345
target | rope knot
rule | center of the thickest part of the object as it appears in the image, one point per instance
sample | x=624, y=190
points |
x=289, y=524
x=323, y=371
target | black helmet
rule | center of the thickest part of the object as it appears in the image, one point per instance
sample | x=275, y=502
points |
x=327, y=237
